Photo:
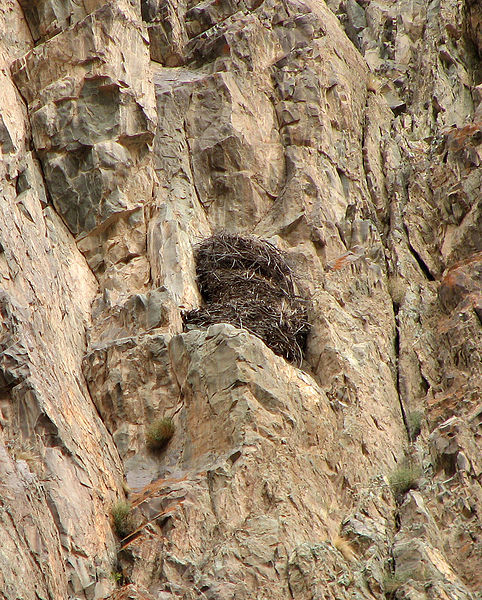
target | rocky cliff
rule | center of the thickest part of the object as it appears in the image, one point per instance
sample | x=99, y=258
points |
x=346, y=133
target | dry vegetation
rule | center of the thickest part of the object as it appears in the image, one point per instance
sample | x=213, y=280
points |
x=248, y=283
x=403, y=479
x=123, y=520
x=345, y=547
x=159, y=433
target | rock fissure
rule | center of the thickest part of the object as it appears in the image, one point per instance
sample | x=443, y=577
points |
x=192, y=171
x=399, y=375
x=423, y=266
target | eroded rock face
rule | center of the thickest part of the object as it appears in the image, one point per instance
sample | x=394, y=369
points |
x=58, y=466
x=347, y=134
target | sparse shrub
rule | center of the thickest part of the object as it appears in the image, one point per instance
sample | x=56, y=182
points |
x=22, y=450
x=403, y=479
x=414, y=422
x=122, y=518
x=159, y=433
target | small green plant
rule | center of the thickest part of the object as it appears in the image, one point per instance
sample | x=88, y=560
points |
x=116, y=577
x=159, y=433
x=122, y=518
x=414, y=423
x=403, y=479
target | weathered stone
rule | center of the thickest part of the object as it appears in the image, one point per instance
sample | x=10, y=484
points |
x=55, y=440
x=361, y=160
x=167, y=31
x=91, y=126
x=47, y=18
x=462, y=283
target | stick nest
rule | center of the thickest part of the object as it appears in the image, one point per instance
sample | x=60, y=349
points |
x=248, y=283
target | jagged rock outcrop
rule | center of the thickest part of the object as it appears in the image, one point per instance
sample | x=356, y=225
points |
x=346, y=133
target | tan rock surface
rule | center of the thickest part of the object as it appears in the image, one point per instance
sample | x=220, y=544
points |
x=58, y=465
x=346, y=133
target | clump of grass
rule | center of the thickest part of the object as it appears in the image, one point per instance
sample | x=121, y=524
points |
x=26, y=452
x=392, y=582
x=122, y=518
x=118, y=578
x=344, y=546
x=403, y=479
x=397, y=289
x=159, y=433
x=414, y=422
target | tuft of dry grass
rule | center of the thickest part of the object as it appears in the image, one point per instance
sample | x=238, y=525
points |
x=414, y=422
x=345, y=547
x=403, y=479
x=22, y=450
x=123, y=520
x=29, y=456
x=159, y=433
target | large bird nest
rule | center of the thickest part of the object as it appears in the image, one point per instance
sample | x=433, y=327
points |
x=247, y=282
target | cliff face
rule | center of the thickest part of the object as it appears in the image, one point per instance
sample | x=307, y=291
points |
x=349, y=135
